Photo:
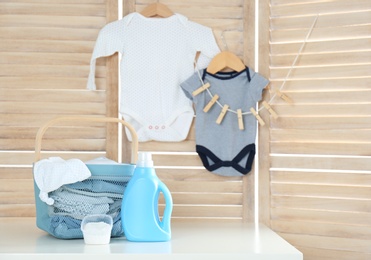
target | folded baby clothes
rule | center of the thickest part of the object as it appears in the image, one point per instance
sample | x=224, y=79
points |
x=101, y=186
x=50, y=174
x=79, y=205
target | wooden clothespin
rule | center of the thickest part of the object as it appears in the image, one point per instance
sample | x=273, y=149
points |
x=284, y=97
x=201, y=89
x=211, y=103
x=253, y=111
x=240, y=119
x=222, y=114
x=270, y=109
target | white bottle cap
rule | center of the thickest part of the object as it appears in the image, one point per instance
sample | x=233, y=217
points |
x=144, y=159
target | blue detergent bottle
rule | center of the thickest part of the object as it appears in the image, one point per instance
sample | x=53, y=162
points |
x=139, y=211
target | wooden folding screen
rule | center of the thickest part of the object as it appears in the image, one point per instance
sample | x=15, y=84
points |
x=45, y=50
x=315, y=171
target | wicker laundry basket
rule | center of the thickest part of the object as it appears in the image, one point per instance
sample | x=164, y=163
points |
x=99, y=194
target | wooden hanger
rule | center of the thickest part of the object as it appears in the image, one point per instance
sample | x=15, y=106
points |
x=225, y=60
x=157, y=10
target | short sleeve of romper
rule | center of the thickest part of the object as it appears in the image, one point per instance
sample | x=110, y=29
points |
x=223, y=148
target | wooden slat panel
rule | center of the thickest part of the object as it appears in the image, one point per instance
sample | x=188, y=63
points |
x=350, y=109
x=27, y=158
x=312, y=47
x=47, y=83
x=53, y=96
x=33, y=33
x=57, y=22
x=177, y=160
x=331, y=148
x=326, y=162
x=49, y=71
x=325, y=59
x=321, y=205
x=339, y=6
x=350, y=178
x=19, y=210
x=195, y=175
x=326, y=20
x=56, y=144
x=331, y=135
x=47, y=58
x=354, y=71
x=321, y=190
x=323, y=216
x=204, y=186
x=348, y=205
x=19, y=185
x=206, y=211
x=322, y=229
x=37, y=120
x=54, y=8
x=185, y=146
x=16, y=173
x=323, y=97
x=60, y=132
x=216, y=198
x=220, y=24
x=57, y=1
x=51, y=108
x=49, y=46
x=40, y=55
x=325, y=122
x=16, y=197
x=323, y=84
x=321, y=34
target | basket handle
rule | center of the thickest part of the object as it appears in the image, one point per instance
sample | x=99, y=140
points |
x=42, y=130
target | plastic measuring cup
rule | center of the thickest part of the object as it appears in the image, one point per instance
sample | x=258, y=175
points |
x=97, y=229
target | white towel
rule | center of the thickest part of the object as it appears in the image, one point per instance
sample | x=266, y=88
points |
x=50, y=174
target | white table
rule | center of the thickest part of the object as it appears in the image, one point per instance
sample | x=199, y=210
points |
x=21, y=239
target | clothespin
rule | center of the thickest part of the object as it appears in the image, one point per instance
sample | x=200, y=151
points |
x=211, y=103
x=201, y=89
x=253, y=111
x=270, y=110
x=240, y=119
x=284, y=97
x=222, y=114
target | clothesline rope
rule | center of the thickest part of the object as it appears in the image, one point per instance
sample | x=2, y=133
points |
x=283, y=83
x=296, y=58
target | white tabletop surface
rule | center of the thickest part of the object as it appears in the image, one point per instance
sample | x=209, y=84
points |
x=21, y=239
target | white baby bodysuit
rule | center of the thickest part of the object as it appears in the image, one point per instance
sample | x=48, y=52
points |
x=158, y=54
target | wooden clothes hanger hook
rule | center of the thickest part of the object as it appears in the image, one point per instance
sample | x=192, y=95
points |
x=157, y=10
x=225, y=60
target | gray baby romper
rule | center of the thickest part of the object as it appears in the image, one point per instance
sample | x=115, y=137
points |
x=223, y=148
